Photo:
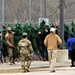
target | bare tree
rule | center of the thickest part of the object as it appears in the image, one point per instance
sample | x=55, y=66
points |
x=19, y=10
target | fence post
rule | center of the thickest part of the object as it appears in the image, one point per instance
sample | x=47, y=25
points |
x=3, y=12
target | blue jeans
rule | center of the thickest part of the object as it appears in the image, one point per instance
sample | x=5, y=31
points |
x=45, y=53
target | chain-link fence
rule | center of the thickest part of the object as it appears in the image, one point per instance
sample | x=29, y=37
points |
x=32, y=10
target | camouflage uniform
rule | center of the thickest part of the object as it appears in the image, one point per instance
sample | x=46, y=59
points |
x=26, y=51
x=9, y=37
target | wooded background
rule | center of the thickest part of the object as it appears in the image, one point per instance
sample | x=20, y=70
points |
x=19, y=10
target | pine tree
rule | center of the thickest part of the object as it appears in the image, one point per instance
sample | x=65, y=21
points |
x=66, y=32
x=32, y=32
x=73, y=27
x=17, y=36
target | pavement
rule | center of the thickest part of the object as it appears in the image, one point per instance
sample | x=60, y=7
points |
x=39, y=68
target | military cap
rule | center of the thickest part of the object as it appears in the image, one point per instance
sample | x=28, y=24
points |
x=9, y=28
x=24, y=33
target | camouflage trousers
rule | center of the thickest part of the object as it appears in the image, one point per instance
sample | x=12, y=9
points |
x=10, y=53
x=25, y=61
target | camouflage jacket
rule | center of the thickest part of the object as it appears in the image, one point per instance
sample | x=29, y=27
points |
x=9, y=37
x=25, y=46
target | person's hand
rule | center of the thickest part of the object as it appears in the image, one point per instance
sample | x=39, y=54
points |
x=31, y=54
x=12, y=46
x=21, y=51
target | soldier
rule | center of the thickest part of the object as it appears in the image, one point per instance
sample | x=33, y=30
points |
x=26, y=52
x=9, y=37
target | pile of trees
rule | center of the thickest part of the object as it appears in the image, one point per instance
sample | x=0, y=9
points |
x=32, y=32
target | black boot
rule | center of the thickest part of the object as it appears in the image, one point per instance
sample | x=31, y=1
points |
x=72, y=62
x=1, y=60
